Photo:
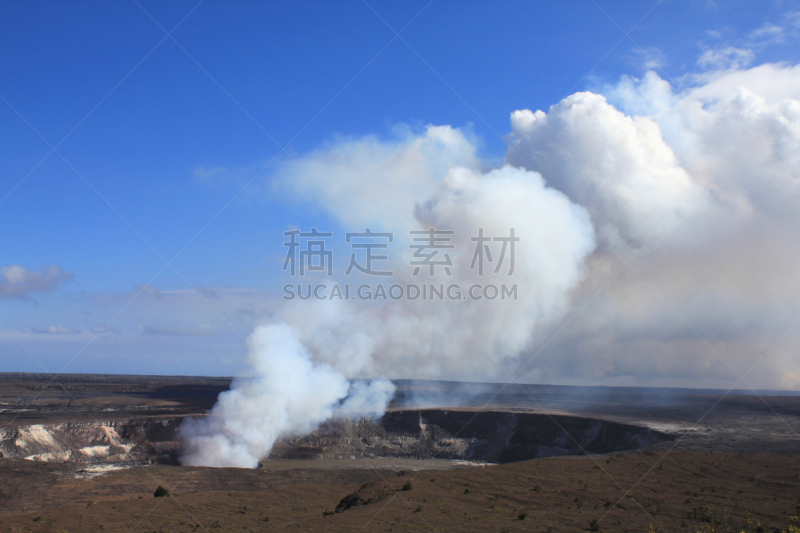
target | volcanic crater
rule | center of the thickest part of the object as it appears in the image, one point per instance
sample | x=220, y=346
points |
x=481, y=436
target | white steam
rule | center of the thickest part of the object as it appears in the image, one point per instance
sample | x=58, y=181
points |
x=695, y=281
x=288, y=394
x=668, y=219
x=293, y=387
x=463, y=339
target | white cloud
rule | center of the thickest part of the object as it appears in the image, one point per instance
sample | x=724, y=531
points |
x=793, y=19
x=215, y=175
x=55, y=330
x=699, y=184
x=727, y=52
x=148, y=290
x=728, y=58
x=766, y=35
x=772, y=82
x=650, y=58
x=18, y=282
x=107, y=329
x=423, y=339
x=354, y=177
x=617, y=166
x=161, y=329
x=725, y=285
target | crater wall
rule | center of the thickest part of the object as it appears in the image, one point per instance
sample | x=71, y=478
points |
x=486, y=436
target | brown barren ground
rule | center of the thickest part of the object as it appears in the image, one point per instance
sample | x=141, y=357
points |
x=733, y=468
x=639, y=491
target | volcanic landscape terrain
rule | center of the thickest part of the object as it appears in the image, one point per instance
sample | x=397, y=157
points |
x=87, y=453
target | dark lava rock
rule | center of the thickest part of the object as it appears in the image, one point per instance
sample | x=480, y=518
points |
x=369, y=493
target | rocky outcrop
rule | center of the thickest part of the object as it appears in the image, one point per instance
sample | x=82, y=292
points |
x=372, y=492
x=128, y=441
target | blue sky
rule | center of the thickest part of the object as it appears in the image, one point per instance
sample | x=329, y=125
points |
x=168, y=145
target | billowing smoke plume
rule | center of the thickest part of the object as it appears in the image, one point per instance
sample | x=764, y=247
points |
x=300, y=372
x=667, y=221
x=287, y=394
x=694, y=195
x=456, y=338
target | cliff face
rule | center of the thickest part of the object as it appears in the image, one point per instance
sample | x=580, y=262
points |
x=487, y=436
x=124, y=441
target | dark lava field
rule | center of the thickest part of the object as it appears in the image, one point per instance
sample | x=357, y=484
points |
x=87, y=453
